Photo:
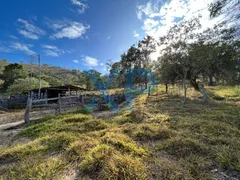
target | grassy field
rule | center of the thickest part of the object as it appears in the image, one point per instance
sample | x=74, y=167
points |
x=159, y=137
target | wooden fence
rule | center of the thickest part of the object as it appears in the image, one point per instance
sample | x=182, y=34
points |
x=55, y=103
x=64, y=103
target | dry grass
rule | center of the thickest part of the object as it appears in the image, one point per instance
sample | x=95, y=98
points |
x=159, y=138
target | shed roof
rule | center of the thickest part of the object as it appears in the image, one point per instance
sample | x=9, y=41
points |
x=62, y=88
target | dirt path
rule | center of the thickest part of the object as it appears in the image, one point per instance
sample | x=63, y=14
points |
x=9, y=131
x=11, y=123
x=105, y=115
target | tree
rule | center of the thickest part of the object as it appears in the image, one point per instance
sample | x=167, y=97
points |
x=11, y=73
x=25, y=85
x=93, y=80
x=146, y=46
x=192, y=56
x=177, y=42
x=3, y=63
x=230, y=9
x=164, y=72
x=131, y=63
x=116, y=75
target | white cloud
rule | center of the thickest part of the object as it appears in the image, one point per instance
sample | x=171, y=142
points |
x=148, y=10
x=13, y=37
x=150, y=24
x=135, y=34
x=101, y=64
x=29, y=30
x=76, y=61
x=28, y=34
x=90, y=61
x=67, y=29
x=53, y=51
x=5, y=49
x=158, y=17
x=81, y=6
x=23, y=47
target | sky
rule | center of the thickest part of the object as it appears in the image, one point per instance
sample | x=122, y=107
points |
x=85, y=34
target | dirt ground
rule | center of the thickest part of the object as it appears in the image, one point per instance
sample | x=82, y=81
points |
x=12, y=122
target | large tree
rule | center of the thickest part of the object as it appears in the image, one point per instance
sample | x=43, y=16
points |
x=12, y=72
x=147, y=47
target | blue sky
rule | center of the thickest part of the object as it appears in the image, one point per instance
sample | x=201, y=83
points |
x=83, y=34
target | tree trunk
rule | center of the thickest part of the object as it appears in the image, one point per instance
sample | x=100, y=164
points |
x=210, y=81
x=194, y=83
x=146, y=83
x=185, y=91
x=204, y=93
x=166, y=85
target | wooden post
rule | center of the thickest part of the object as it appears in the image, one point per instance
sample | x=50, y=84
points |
x=204, y=93
x=149, y=88
x=46, y=96
x=82, y=100
x=59, y=104
x=28, y=109
x=69, y=91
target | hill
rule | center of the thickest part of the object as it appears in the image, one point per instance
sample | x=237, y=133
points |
x=53, y=75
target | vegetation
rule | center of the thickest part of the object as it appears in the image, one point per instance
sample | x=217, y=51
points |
x=187, y=129
x=26, y=76
x=160, y=138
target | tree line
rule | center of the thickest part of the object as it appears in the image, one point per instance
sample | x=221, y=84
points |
x=186, y=56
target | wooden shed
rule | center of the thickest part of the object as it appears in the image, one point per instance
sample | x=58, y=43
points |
x=52, y=92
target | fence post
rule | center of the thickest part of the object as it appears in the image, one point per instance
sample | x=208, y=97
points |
x=59, y=104
x=82, y=100
x=28, y=109
x=149, y=88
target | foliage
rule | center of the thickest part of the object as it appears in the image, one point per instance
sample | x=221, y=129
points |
x=12, y=72
x=25, y=85
x=134, y=67
x=52, y=75
x=93, y=79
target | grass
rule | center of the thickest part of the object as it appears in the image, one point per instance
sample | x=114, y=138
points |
x=159, y=137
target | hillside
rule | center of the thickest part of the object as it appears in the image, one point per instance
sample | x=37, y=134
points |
x=53, y=74
x=157, y=138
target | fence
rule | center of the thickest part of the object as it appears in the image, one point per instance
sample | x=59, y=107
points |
x=65, y=103
x=58, y=105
